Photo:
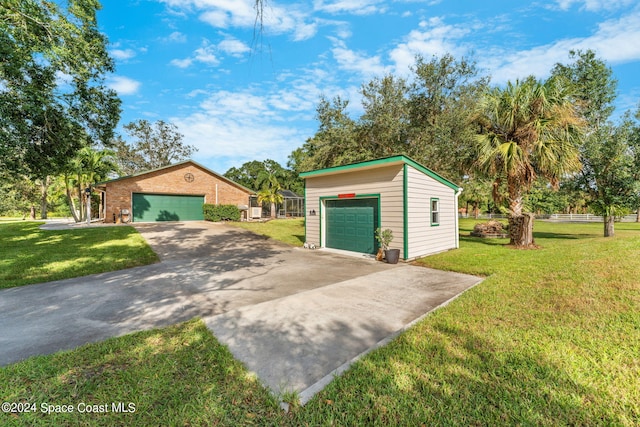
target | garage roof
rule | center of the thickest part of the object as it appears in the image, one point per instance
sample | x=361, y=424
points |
x=222, y=177
x=373, y=164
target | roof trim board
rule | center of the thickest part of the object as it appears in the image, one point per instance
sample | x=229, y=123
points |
x=377, y=163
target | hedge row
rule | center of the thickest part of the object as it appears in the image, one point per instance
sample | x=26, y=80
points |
x=218, y=213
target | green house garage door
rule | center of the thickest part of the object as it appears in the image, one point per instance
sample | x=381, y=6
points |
x=351, y=224
x=164, y=207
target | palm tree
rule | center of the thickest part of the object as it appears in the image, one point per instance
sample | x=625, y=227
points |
x=85, y=169
x=270, y=194
x=529, y=129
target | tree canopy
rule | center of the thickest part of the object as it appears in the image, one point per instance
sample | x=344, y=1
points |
x=154, y=145
x=53, y=99
x=608, y=175
x=429, y=120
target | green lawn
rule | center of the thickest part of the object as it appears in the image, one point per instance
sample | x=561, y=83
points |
x=290, y=231
x=30, y=255
x=551, y=337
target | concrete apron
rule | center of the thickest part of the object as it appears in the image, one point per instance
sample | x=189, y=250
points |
x=300, y=342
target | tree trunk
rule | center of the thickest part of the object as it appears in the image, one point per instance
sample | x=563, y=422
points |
x=72, y=206
x=273, y=210
x=638, y=215
x=520, y=225
x=521, y=230
x=44, y=187
x=609, y=226
x=81, y=208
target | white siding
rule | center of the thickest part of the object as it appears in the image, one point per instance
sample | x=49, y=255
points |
x=425, y=239
x=386, y=181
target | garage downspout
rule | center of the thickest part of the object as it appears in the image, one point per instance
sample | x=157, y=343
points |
x=458, y=191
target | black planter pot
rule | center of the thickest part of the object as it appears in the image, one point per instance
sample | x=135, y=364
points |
x=392, y=255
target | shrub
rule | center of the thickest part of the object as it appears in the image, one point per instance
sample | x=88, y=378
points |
x=221, y=212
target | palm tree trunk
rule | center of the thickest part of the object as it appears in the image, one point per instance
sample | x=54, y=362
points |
x=72, y=206
x=273, y=210
x=609, y=223
x=520, y=225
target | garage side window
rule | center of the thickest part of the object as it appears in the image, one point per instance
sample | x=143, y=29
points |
x=435, y=211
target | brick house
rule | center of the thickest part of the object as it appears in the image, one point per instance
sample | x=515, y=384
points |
x=171, y=193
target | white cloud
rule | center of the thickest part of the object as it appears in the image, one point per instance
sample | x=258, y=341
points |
x=256, y=122
x=182, y=63
x=434, y=37
x=241, y=125
x=355, y=7
x=122, y=54
x=211, y=54
x=242, y=13
x=176, y=37
x=595, y=5
x=206, y=54
x=615, y=41
x=350, y=60
x=233, y=47
x=123, y=85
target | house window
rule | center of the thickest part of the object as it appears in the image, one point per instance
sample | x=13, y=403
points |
x=435, y=212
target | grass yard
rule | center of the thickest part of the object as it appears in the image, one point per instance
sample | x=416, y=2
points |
x=290, y=231
x=550, y=338
x=30, y=255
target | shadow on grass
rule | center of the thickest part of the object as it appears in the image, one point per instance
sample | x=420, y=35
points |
x=452, y=374
x=484, y=241
x=175, y=376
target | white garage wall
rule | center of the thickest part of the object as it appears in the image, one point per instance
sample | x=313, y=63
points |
x=425, y=239
x=386, y=181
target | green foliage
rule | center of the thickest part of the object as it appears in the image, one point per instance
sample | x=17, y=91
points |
x=218, y=213
x=270, y=193
x=255, y=175
x=154, y=146
x=542, y=199
x=429, y=120
x=85, y=169
x=17, y=195
x=45, y=119
x=530, y=129
x=594, y=88
x=384, y=237
x=608, y=151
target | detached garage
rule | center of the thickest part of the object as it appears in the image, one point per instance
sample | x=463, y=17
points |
x=345, y=205
x=172, y=193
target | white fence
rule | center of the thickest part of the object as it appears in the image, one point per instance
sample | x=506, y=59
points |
x=559, y=217
x=586, y=218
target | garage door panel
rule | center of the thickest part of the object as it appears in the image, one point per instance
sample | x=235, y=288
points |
x=164, y=207
x=351, y=224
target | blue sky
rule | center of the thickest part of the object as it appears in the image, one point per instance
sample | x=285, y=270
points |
x=238, y=96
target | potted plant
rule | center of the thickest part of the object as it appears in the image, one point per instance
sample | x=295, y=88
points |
x=384, y=238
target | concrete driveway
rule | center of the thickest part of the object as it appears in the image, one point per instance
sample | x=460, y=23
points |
x=295, y=317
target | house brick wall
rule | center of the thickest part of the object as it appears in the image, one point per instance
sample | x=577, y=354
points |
x=171, y=180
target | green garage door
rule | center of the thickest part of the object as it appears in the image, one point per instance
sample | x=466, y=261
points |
x=351, y=224
x=164, y=207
